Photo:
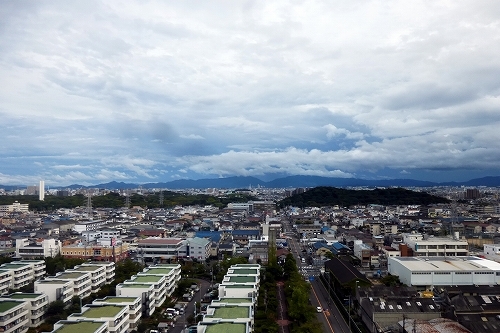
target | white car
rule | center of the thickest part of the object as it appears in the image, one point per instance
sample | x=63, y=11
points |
x=319, y=309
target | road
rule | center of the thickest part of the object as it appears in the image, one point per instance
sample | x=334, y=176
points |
x=181, y=322
x=331, y=318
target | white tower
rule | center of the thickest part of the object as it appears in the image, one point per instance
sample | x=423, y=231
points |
x=41, y=190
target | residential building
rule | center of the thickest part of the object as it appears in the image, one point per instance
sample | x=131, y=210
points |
x=89, y=225
x=37, y=304
x=198, y=248
x=115, y=316
x=97, y=275
x=13, y=316
x=109, y=268
x=157, y=281
x=133, y=304
x=56, y=290
x=39, y=267
x=172, y=273
x=82, y=283
x=5, y=281
x=21, y=274
x=436, y=246
x=143, y=291
x=83, y=326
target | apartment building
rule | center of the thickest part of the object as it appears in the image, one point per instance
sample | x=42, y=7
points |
x=83, y=326
x=97, y=275
x=37, y=304
x=21, y=274
x=198, y=248
x=133, y=304
x=172, y=273
x=39, y=267
x=158, y=282
x=56, y=290
x=5, y=281
x=13, y=316
x=115, y=316
x=143, y=291
x=109, y=267
x=82, y=283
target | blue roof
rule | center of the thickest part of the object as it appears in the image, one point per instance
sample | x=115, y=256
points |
x=339, y=245
x=214, y=236
x=246, y=232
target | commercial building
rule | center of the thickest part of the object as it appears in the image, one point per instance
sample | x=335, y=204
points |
x=26, y=249
x=436, y=246
x=434, y=271
x=161, y=250
x=96, y=252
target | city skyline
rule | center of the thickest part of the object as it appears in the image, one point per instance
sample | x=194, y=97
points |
x=150, y=92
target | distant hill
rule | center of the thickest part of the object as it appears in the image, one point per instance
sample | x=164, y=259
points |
x=291, y=181
x=330, y=196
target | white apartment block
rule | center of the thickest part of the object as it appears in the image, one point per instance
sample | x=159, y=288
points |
x=33, y=250
x=133, y=304
x=5, y=281
x=83, y=326
x=143, y=291
x=13, y=316
x=198, y=248
x=108, y=265
x=21, y=274
x=82, y=284
x=436, y=246
x=158, y=282
x=172, y=273
x=89, y=225
x=39, y=267
x=97, y=275
x=37, y=304
x=56, y=290
x=115, y=316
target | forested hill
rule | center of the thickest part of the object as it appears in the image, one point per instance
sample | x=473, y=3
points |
x=330, y=196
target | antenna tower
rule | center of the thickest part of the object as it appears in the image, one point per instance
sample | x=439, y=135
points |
x=89, y=205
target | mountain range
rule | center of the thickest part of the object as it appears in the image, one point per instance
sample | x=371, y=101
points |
x=291, y=181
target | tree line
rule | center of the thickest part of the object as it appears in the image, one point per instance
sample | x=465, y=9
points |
x=331, y=196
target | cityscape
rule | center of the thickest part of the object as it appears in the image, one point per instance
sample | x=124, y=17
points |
x=218, y=267
x=250, y=166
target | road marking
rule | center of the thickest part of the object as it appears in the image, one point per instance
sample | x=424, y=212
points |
x=324, y=314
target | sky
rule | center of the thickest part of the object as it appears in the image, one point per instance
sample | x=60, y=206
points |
x=154, y=91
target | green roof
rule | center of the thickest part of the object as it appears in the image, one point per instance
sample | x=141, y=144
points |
x=231, y=312
x=119, y=299
x=70, y=275
x=162, y=270
x=108, y=311
x=14, y=266
x=79, y=327
x=87, y=268
x=245, y=271
x=226, y=328
x=242, y=279
x=24, y=295
x=147, y=278
x=243, y=286
x=7, y=305
x=54, y=281
x=135, y=285
x=234, y=300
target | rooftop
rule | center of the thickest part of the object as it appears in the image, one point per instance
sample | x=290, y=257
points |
x=53, y=281
x=80, y=327
x=234, y=300
x=226, y=328
x=231, y=312
x=147, y=278
x=23, y=295
x=107, y=311
x=135, y=285
x=244, y=271
x=87, y=268
x=118, y=299
x=7, y=305
x=14, y=266
x=70, y=275
x=162, y=271
x=241, y=279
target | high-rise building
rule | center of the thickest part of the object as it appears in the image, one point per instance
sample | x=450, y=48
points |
x=41, y=191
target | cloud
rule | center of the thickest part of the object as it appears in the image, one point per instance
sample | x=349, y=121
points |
x=141, y=91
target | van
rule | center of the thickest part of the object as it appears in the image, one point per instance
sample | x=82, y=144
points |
x=303, y=260
x=172, y=311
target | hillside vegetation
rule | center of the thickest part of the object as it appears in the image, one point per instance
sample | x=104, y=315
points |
x=331, y=196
